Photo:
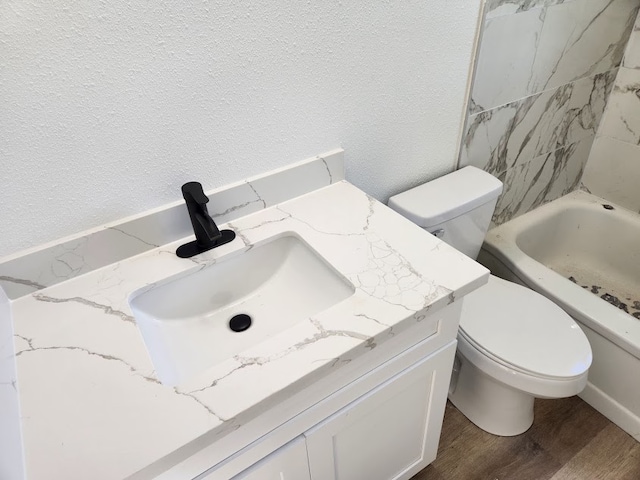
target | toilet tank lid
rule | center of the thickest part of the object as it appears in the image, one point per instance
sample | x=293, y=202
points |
x=447, y=197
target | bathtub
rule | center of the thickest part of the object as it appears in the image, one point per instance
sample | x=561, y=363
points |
x=583, y=253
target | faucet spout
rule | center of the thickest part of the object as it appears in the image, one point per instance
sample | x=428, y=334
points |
x=207, y=234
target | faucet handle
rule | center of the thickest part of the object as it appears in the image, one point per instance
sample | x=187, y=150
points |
x=193, y=191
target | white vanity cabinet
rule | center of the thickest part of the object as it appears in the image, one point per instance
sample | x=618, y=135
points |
x=389, y=433
x=382, y=423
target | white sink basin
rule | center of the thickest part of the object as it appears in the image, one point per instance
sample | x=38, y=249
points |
x=185, y=321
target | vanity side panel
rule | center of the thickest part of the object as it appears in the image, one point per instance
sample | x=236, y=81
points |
x=11, y=454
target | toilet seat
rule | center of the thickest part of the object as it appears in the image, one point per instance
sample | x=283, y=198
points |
x=507, y=323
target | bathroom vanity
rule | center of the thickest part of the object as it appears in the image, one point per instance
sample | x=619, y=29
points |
x=384, y=424
x=343, y=374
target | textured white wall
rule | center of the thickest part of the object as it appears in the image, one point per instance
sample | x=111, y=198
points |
x=108, y=107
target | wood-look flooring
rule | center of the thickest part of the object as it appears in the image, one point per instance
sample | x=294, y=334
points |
x=569, y=440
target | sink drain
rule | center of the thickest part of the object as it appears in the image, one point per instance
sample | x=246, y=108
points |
x=239, y=323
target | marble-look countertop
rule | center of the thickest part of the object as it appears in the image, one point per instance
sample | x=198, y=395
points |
x=91, y=404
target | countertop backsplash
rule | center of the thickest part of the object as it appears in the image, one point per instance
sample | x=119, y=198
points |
x=41, y=267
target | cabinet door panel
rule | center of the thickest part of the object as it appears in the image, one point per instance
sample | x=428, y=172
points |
x=287, y=463
x=391, y=432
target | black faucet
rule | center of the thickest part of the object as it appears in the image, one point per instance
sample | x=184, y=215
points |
x=207, y=234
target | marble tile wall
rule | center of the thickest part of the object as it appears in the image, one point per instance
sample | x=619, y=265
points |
x=544, y=72
x=613, y=168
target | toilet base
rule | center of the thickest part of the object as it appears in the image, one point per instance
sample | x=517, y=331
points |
x=491, y=405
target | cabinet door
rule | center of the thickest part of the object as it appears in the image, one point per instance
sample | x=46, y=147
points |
x=392, y=432
x=287, y=463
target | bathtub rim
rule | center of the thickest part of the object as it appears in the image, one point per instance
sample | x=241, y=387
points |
x=500, y=243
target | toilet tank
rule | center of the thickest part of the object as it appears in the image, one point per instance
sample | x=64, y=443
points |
x=456, y=207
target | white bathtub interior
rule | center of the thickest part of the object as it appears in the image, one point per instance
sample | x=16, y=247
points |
x=592, y=245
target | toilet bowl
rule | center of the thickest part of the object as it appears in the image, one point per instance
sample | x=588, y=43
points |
x=513, y=344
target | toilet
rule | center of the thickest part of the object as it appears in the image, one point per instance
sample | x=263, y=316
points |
x=514, y=345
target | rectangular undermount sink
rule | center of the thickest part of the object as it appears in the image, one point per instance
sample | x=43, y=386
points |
x=185, y=321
